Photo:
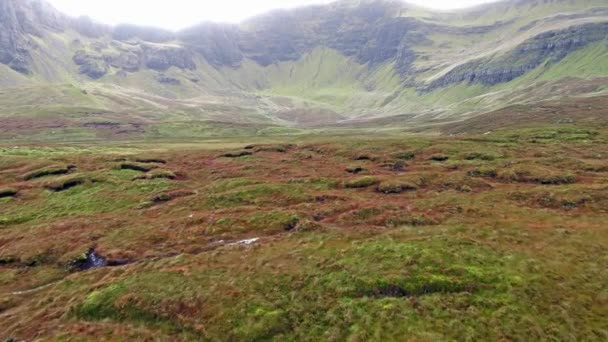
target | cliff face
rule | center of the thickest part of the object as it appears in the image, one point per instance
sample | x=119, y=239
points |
x=548, y=47
x=415, y=44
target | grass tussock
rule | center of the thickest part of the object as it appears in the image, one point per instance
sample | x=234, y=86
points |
x=396, y=187
x=237, y=154
x=157, y=174
x=67, y=182
x=363, y=182
x=439, y=157
x=48, y=171
x=136, y=166
x=8, y=192
x=536, y=174
x=151, y=160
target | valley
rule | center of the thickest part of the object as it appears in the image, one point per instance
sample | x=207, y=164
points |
x=362, y=170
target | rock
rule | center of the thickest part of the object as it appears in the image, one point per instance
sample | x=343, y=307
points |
x=161, y=58
x=164, y=79
x=88, y=261
x=553, y=46
x=128, y=61
x=91, y=65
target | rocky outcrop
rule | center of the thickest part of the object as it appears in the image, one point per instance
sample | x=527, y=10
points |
x=164, y=79
x=162, y=57
x=13, y=46
x=127, y=61
x=91, y=65
x=548, y=47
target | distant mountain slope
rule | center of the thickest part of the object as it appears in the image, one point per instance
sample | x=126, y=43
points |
x=349, y=61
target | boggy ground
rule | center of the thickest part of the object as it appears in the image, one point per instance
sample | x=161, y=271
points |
x=493, y=237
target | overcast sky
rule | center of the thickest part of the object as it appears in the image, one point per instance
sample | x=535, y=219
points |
x=178, y=14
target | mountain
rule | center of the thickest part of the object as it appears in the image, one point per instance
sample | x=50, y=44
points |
x=349, y=63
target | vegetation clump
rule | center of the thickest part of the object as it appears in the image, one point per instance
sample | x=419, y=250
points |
x=439, y=157
x=237, y=154
x=480, y=156
x=405, y=155
x=484, y=172
x=136, y=166
x=363, y=156
x=151, y=160
x=536, y=174
x=396, y=187
x=355, y=169
x=157, y=174
x=8, y=192
x=49, y=171
x=272, y=148
x=363, y=182
x=67, y=182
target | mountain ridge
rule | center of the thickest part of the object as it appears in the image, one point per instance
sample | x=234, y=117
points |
x=350, y=60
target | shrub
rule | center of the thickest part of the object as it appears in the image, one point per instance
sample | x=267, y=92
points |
x=363, y=182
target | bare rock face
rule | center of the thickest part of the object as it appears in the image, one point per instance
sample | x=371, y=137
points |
x=91, y=65
x=549, y=47
x=13, y=46
x=18, y=19
x=164, y=79
x=127, y=61
x=162, y=57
